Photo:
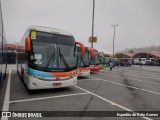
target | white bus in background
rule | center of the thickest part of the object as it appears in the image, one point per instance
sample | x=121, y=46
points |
x=47, y=58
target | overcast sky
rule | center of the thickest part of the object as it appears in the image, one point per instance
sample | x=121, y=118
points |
x=138, y=20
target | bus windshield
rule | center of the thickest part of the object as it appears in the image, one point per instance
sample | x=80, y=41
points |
x=52, y=52
x=95, y=60
x=83, y=61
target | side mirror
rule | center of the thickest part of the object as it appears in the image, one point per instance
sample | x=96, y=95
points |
x=82, y=47
x=28, y=43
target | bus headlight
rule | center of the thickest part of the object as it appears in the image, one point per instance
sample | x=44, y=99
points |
x=35, y=76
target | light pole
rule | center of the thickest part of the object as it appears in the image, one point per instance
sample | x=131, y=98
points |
x=114, y=26
x=93, y=23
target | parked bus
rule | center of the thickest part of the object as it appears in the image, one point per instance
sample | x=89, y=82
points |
x=3, y=59
x=48, y=59
x=83, y=62
x=102, y=60
x=94, y=60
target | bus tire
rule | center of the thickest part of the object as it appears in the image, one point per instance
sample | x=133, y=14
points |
x=22, y=73
x=1, y=77
x=5, y=72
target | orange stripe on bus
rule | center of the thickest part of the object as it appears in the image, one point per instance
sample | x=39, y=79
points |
x=85, y=68
x=64, y=74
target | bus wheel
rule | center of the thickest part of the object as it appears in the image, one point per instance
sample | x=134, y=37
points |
x=1, y=79
x=22, y=73
x=5, y=72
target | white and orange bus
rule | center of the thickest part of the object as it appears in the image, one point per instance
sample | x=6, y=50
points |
x=83, y=62
x=47, y=58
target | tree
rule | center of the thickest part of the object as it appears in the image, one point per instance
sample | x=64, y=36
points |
x=119, y=55
x=131, y=51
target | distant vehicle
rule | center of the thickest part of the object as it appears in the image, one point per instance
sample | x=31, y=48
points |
x=149, y=63
x=123, y=62
x=3, y=58
x=144, y=60
x=83, y=62
x=94, y=60
x=46, y=58
x=11, y=57
x=117, y=63
x=156, y=61
x=136, y=62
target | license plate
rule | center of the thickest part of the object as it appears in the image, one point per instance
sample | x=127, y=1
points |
x=56, y=84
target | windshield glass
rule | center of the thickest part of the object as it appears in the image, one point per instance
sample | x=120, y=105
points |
x=95, y=60
x=83, y=61
x=51, y=52
x=42, y=53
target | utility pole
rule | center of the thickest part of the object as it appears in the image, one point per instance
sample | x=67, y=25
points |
x=114, y=27
x=93, y=23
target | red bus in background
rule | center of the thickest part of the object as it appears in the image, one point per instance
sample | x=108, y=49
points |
x=94, y=60
x=83, y=61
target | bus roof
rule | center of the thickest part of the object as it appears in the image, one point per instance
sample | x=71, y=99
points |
x=92, y=49
x=50, y=30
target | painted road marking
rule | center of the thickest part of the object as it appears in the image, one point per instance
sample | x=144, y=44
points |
x=44, y=98
x=100, y=73
x=109, y=101
x=134, y=79
x=89, y=80
x=126, y=70
x=158, y=79
x=128, y=86
x=144, y=76
x=84, y=79
x=7, y=96
x=129, y=79
x=147, y=68
x=144, y=73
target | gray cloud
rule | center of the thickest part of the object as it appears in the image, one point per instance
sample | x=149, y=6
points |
x=138, y=20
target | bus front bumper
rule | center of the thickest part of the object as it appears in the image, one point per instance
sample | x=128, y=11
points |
x=83, y=72
x=34, y=83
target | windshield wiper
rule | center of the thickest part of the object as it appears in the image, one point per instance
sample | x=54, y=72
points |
x=62, y=56
x=49, y=60
x=64, y=60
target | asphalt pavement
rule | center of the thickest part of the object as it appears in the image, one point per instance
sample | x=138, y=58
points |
x=122, y=89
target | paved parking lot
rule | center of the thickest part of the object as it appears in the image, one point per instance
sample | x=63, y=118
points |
x=123, y=89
